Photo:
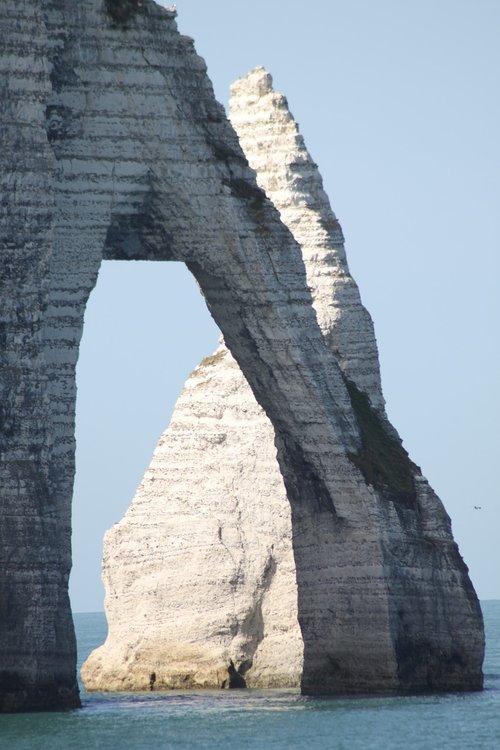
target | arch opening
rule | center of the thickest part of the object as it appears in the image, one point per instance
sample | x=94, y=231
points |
x=146, y=327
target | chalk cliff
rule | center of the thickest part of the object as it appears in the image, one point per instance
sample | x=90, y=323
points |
x=200, y=571
x=113, y=146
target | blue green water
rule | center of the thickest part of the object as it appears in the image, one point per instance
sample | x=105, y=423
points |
x=277, y=719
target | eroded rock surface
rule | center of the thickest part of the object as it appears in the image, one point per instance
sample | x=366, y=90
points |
x=113, y=146
x=200, y=570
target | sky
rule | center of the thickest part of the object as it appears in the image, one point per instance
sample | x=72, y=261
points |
x=398, y=104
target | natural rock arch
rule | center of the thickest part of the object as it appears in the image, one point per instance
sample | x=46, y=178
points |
x=200, y=570
x=114, y=147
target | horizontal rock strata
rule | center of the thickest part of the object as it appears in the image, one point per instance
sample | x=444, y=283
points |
x=37, y=642
x=113, y=146
x=200, y=571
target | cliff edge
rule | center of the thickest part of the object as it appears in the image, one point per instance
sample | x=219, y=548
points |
x=200, y=571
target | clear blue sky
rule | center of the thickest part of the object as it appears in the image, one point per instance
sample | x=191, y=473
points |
x=398, y=103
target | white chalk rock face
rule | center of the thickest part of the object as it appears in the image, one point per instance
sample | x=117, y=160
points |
x=285, y=170
x=201, y=570
x=114, y=147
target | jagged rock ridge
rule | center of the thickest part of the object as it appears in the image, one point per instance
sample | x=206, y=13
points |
x=113, y=146
x=200, y=570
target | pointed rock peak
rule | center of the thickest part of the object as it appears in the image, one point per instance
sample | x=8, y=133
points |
x=258, y=82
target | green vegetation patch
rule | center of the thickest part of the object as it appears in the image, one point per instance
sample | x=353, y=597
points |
x=213, y=359
x=247, y=190
x=122, y=11
x=382, y=459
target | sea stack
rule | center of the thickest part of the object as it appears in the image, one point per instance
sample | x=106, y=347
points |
x=200, y=572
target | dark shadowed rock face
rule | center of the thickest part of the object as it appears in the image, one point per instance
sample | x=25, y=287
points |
x=211, y=514
x=112, y=145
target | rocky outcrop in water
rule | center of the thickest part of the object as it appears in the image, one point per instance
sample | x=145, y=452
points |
x=113, y=146
x=200, y=570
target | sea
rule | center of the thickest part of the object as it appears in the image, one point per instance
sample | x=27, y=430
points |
x=261, y=719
